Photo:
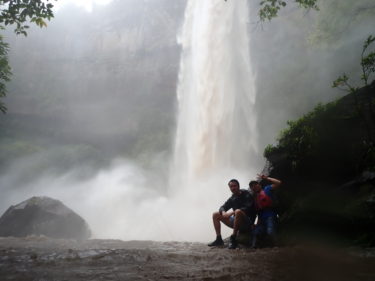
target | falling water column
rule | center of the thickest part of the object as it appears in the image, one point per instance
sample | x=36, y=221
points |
x=216, y=119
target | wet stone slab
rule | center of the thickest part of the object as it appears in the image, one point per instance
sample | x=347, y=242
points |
x=41, y=258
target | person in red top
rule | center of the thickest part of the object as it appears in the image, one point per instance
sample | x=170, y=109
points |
x=266, y=211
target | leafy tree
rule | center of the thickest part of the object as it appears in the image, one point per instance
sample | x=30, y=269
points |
x=19, y=13
x=367, y=67
x=5, y=71
x=368, y=70
x=269, y=9
x=301, y=137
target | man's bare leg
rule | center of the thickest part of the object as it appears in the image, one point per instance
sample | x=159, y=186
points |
x=239, y=217
x=217, y=218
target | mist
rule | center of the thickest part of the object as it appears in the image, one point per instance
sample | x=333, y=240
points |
x=93, y=111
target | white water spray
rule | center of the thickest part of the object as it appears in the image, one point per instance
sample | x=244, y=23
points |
x=216, y=95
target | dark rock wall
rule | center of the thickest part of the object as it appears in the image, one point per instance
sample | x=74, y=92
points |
x=326, y=161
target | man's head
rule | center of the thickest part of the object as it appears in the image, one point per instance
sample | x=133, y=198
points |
x=255, y=186
x=234, y=186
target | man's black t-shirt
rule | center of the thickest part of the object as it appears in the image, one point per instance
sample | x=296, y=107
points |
x=244, y=202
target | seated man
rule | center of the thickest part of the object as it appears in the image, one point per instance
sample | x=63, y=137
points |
x=266, y=211
x=241, y=217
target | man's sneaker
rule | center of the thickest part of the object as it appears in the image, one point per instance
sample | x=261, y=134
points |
x=217, y=242
x=232, y=242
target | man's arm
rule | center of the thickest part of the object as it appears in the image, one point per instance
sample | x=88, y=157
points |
x=275, y=182
x=227, y=205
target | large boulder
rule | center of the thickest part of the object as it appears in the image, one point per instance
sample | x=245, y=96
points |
x=43, y=216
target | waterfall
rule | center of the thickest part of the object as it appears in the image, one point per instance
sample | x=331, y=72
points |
x=215, y=141
x=216, y=95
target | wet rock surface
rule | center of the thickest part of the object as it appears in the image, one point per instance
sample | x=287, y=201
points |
x=42, y=258
x=43, y=216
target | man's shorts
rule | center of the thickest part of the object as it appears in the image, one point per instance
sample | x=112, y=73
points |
x=246, y=225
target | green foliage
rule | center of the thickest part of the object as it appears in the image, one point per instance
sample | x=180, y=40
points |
x=367, y=62
x=367, y=65
x=19, y=12
x=5, y=71
x=268, y=150
x=301, y=139
x=333, y=142
x=342, y=83
x=270, y=8
x=364, y=107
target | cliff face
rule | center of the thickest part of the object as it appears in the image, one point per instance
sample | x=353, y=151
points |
x=326, y=160
x=106, y=79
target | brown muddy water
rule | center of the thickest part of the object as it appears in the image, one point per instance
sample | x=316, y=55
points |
x=45, y=259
